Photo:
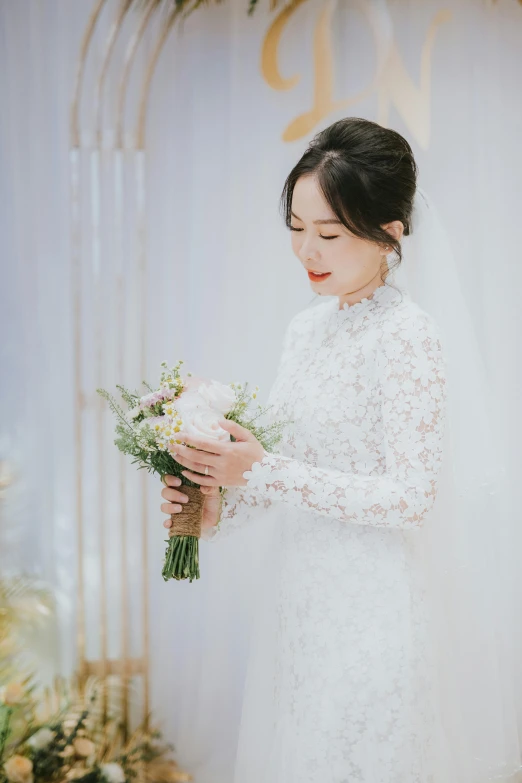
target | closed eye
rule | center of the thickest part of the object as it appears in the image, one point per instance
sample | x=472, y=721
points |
x=293, y=228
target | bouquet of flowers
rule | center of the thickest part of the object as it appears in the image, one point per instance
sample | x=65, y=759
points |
x=149, y=429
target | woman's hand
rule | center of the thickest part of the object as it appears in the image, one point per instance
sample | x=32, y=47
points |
x=175, y=498
x=226, y=460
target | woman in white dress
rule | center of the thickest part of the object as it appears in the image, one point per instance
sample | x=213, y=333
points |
x=340, y=686
x=362, y=377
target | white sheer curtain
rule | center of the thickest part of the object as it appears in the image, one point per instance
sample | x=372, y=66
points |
x=221, y=280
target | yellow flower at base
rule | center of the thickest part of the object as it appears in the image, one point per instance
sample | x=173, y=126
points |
x=83, y=747
x=18, y=769
x=11, y=694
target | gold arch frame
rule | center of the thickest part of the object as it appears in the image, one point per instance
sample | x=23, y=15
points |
x=125, y=666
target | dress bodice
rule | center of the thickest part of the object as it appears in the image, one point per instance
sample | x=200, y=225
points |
x=364, y=387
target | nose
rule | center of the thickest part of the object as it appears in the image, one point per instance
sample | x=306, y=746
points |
x=308, y=250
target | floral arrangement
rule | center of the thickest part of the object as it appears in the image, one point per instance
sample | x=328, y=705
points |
x=149, y=429
x=75, y=742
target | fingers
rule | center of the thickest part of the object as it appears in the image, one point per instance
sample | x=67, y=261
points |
x=193, y=458
x=193, y=465
x=174, y=495
x=198, y=467
x=212, y=448
x=210, y=490
x=177, y=499
x=172, y=508
x=202, y=480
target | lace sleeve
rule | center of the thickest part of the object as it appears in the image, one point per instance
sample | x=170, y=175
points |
x=412, y=375
x=239, y=508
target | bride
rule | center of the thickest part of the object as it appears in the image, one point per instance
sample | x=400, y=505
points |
x=345, y=682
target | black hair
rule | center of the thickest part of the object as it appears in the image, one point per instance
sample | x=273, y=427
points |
x=367, y=174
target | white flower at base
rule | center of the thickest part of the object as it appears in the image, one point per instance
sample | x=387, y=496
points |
x=41, y=738
x=112, y=772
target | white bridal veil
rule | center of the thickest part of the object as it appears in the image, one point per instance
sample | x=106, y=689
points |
x=469, y=544
x=468, y=547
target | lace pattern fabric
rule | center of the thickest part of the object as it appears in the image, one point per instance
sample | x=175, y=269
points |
x=354, y=478
x=375, y=423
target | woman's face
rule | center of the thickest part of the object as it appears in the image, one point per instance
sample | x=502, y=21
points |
x=323, y=244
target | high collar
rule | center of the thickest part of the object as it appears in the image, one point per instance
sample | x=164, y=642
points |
x=384, y=296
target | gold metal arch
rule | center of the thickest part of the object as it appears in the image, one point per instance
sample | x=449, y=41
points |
x=130, y=55
x=85, y=194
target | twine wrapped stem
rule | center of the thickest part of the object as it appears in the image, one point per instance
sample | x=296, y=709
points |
x=182, y=553
x=188, y=521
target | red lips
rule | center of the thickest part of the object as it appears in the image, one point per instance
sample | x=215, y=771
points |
x=317, y=278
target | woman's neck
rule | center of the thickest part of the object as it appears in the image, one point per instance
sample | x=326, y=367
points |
x=353, y=297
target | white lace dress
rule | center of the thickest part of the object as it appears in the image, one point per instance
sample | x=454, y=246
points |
x=353, y=479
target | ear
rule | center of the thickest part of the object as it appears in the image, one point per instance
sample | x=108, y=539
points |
x=395, y=228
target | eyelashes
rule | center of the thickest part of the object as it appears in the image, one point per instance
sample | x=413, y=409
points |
x=293, y=228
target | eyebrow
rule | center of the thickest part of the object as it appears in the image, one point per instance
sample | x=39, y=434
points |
x=332, y=221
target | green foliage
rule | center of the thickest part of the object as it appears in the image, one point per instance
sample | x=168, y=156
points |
x=5, y=720
x=269, y=436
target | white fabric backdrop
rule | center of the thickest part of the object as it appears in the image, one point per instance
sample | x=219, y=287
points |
x=222, y=282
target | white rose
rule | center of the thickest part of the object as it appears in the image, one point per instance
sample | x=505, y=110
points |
x=204, y=424
x=218, y=396
x=41, y=738
x=190, y=401
x=112, y=772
